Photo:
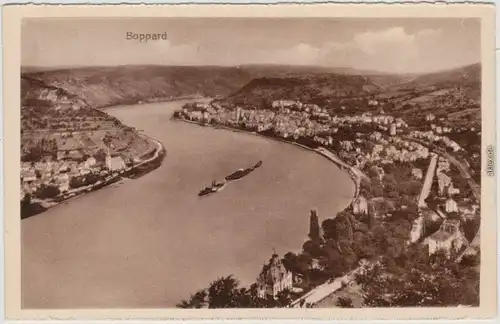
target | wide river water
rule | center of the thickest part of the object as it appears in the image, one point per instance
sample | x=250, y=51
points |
x=151, y=242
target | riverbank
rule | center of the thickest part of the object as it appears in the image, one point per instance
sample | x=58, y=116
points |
x=326, y=289
x=150, y=101
x=160, y=221
x=151, y=163
x=354, y=173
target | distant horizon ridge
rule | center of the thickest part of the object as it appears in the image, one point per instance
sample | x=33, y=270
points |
x=328, y=69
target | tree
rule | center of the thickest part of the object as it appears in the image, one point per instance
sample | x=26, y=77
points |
x=33, y=154
x=345, y=302
x=362, y=246
x=334, y=262
x=284, y=298
x=46, y=192
x=76, y=182
x=313, y=248
x=100, y=156
x=224, y=293
x=414, y=280
x=108, y=138
x=28, y=208
x=329, y=229
x=341, y=227
x=349, y=258
x=197, y=300
x=314, y=230
x=26, y=201
x=249, y=299
x=290, y=262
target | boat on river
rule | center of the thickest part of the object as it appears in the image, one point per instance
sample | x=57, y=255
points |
x=240, y=173
x=216, y=186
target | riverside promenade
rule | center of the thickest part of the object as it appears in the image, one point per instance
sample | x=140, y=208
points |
x=355, y=174
x=326, y=289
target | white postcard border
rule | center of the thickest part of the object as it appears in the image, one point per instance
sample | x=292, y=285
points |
x=12, y=18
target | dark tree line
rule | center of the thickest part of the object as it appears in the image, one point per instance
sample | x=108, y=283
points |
x=226, y=292
x=39, y=150
x=414, y=279
x=405, y=277
x=29, y=208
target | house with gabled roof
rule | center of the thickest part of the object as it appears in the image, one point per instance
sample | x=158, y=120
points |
x=449, y=239
x=274, y=278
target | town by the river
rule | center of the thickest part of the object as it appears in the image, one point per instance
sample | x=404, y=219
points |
x=152, y=241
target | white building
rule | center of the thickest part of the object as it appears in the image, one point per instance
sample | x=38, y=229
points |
x=417, y=174
x=360, y=206
x=29, y=176
x=448, y=239
x=346, y=145
x=417, y=229
x=91, y=161
x=443, y=182
x=274, y=278
x=115, y=163
x=393, y=130
x=286, y=104
x=64, y=186
x=238, y=114
x=451, y=206
x=453, y=191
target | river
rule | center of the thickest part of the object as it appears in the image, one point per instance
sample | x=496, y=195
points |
x=151, y=242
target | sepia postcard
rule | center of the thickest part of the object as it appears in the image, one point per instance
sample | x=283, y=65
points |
x=317, y=161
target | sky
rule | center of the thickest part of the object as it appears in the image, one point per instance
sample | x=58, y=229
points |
x=411, y=45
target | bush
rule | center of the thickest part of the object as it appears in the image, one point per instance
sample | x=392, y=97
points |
x=81, y=181
x=345, y=302
x=46, y=192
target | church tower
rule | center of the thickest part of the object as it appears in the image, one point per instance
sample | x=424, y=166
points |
x=108, y=159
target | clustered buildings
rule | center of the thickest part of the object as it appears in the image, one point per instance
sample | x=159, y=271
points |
x=362, y=140
x=59, y=173
x=75, y=158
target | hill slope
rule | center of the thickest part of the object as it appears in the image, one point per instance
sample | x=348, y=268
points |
x=53, y=115
x=313, y=89
x=469, y=75
x=108, y=86
x=453, y=94
x=254, y=84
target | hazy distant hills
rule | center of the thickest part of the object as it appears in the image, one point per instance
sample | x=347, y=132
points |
x=468, y=78
x=454, y=95
x=469, y=75
x=107, y=86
